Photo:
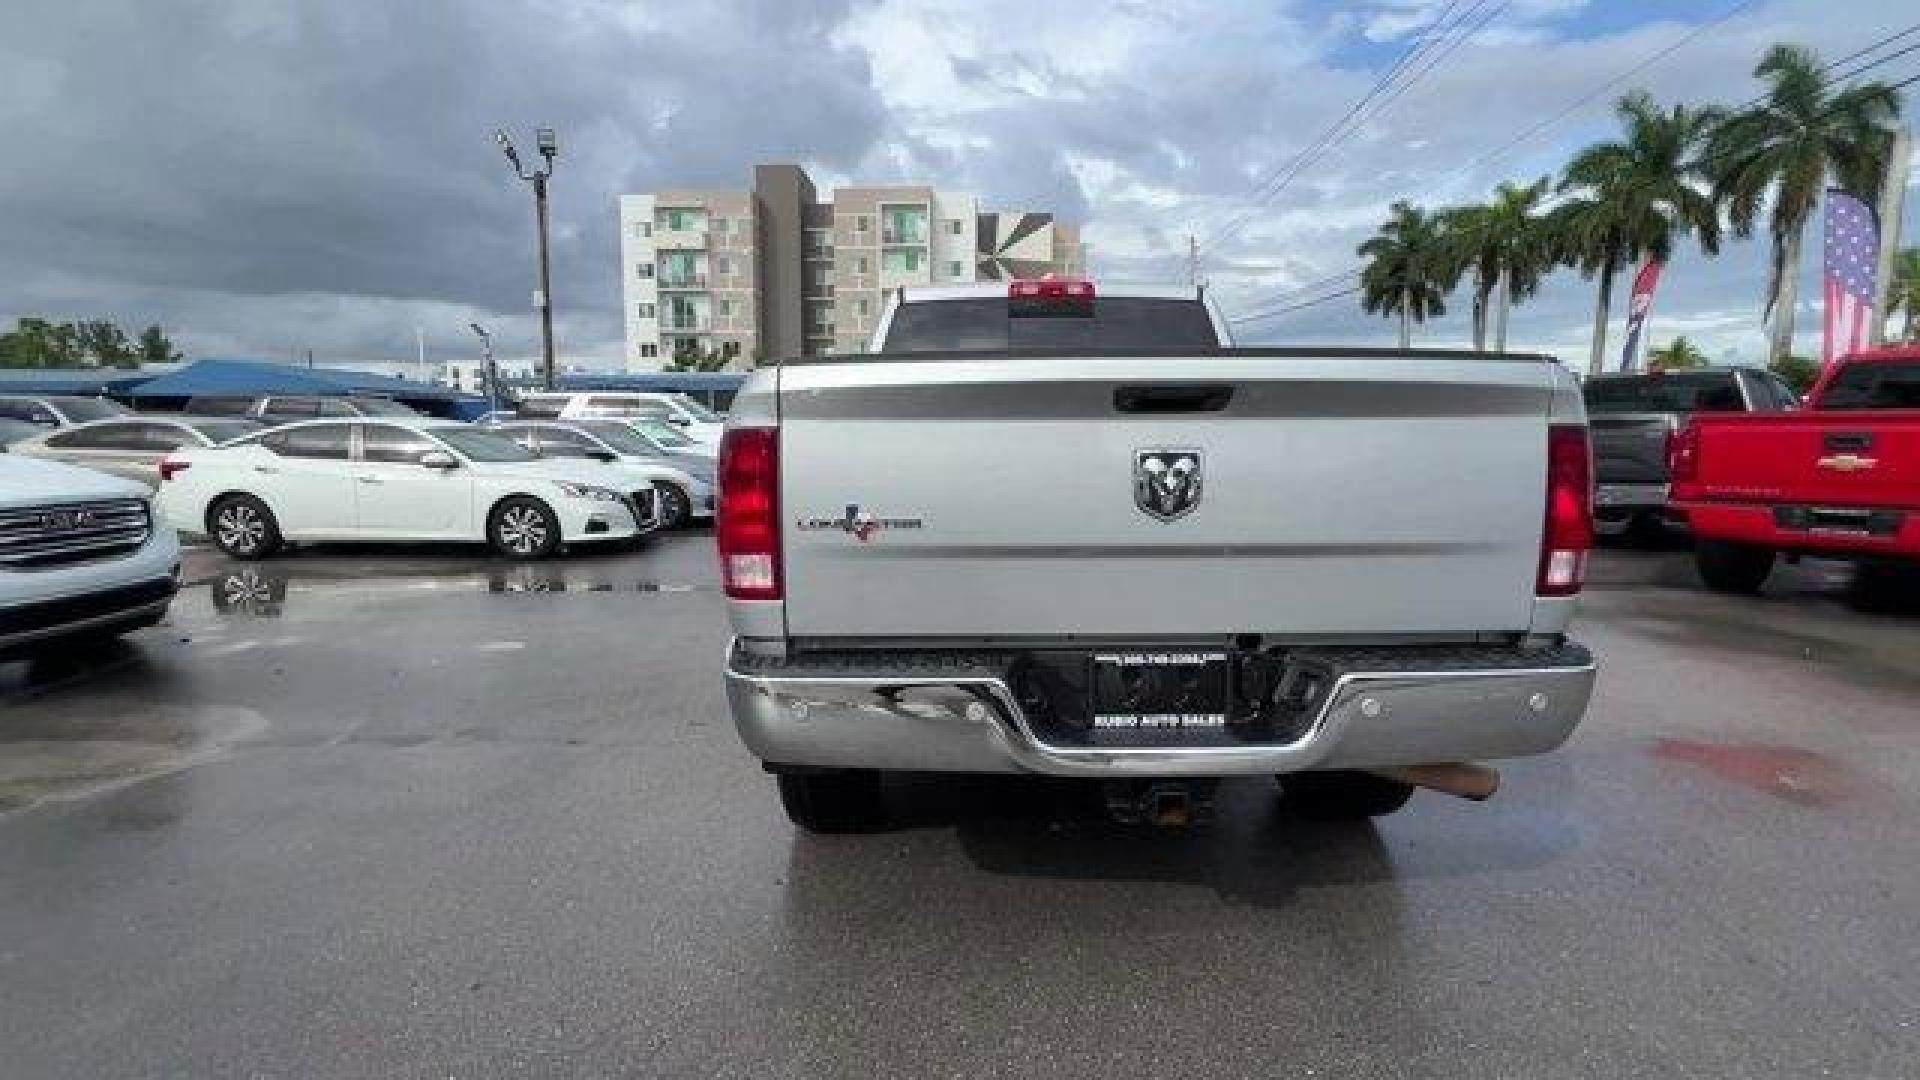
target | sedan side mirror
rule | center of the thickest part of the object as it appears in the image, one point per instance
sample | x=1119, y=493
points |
x=439, y=459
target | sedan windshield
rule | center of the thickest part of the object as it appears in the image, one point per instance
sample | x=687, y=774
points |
x=482, y=445
x=622, y=438
x=661, y=432
x=81, y=410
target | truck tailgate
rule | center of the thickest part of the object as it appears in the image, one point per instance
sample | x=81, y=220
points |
x=995, y=497
x=1841, y=458
x=1630, y=448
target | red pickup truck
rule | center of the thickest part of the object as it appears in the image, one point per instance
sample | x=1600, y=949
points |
x=1839, y=478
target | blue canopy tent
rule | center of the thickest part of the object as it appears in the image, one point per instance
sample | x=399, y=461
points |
x=246, y=377
x=112, y=382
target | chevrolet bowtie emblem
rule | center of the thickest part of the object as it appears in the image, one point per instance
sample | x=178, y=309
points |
x=1847, y=462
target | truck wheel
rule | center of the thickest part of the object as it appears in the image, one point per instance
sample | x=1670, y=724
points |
x=1732, y=568
x=832, y=802
x=1339, y=795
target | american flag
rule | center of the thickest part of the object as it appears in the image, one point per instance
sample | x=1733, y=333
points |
x=1853, y=245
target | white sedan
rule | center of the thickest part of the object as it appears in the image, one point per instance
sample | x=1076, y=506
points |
x=396, y=479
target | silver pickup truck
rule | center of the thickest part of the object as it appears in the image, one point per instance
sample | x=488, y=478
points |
x=1045, y=531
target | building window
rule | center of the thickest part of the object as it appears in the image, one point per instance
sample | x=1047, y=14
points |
x=860, y=264
x=649, y=349
x=861, y=307
x=644, y=311
x=726, y=308
x=722, y=265
x=645, y=270
x=682, y=219
x=954, y=270
x=955, y=226
x=903, y=260
x=720, y=226
x=643, y=229
x=861, y=223
x=904, y=224
x=730, y=349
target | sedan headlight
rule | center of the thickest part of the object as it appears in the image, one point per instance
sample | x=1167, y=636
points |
x=588, y=491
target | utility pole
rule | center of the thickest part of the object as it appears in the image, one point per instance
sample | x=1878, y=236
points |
x=490, y=374
x=1893, y=192
x=1193, y=261
x=549, y=146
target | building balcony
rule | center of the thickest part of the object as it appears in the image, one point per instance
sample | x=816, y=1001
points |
x=684, y=281
x=903, y=238
x=686, y=326
x=679, y=240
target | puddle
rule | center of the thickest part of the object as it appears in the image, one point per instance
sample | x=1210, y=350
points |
x=257, y=593
x=1785, y=772
x=64, y=756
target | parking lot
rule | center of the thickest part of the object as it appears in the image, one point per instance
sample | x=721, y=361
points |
x=394, y=813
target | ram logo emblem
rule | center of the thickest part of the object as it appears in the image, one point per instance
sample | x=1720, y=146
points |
x=1166, y=481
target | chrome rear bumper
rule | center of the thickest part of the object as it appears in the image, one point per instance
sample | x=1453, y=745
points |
x=964, y=718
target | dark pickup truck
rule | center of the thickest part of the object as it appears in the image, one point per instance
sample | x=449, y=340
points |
x=1633, y=417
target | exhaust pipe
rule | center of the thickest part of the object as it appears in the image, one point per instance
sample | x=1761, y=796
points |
x=1462, y=779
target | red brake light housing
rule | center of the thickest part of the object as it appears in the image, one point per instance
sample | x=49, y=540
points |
x=747, y=518
x=1683, y=454
x=1568, y=535
x=171, y=466
x=1050, y=296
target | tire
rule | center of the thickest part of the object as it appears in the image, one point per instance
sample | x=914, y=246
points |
x=832, y=802
x=243, y=527
x=1342, y=796
x=522, y=527
x=676, y=506
x=1647, y=530
x=1732, y=568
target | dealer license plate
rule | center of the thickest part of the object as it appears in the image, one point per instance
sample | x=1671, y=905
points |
x=1159, y=690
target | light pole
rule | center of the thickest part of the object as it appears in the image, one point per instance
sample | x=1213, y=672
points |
x=492, y=376
x=549, y=146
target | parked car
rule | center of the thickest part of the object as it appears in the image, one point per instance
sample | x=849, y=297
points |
x=683, y=496
x=12, y=431
x=286, y=408
x=132, y=446
x=396, y=479
x=1633, y=415
x=81, y=555
x=58, y=410
x=1839, y=478
x=701, y=424
x=670, y=440
x=1137, y=553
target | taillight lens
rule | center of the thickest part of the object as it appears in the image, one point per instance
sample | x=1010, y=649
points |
x=747, y=519
x=1683, y=454
x=1569, y=528
x=171, y=467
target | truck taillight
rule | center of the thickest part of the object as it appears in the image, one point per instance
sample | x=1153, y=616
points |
x=171, y=467
x=1683, y=454
x=747, y=520
x=1568, y=535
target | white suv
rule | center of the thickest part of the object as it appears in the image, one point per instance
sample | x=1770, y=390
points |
x=81, y=554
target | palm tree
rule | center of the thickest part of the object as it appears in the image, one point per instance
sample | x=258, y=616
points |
x=1632, y=198
x=1680, y=354
x=1506, y=244
x=1905, y=295
x=1409, y=269
x=1805, y=132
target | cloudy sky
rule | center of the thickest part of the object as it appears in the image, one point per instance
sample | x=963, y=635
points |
x=265, y=177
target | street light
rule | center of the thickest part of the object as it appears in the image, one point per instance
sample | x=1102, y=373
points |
x=548, y=144
x=493, y=375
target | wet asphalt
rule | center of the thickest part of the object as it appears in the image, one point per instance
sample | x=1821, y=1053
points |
x=414, y=814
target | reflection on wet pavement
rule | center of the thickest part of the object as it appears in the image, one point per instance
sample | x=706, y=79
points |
x=263, y=593
x=1788, y=772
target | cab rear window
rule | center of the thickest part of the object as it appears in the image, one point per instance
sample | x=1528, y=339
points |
x=1875, y=386
x=989, y=324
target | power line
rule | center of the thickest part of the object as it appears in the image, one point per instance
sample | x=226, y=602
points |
x=1436, y=43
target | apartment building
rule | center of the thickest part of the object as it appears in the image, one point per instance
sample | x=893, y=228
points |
x=777, y=271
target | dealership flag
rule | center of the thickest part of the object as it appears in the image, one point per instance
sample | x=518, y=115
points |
x=1641, y=303
x=1853, y=244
